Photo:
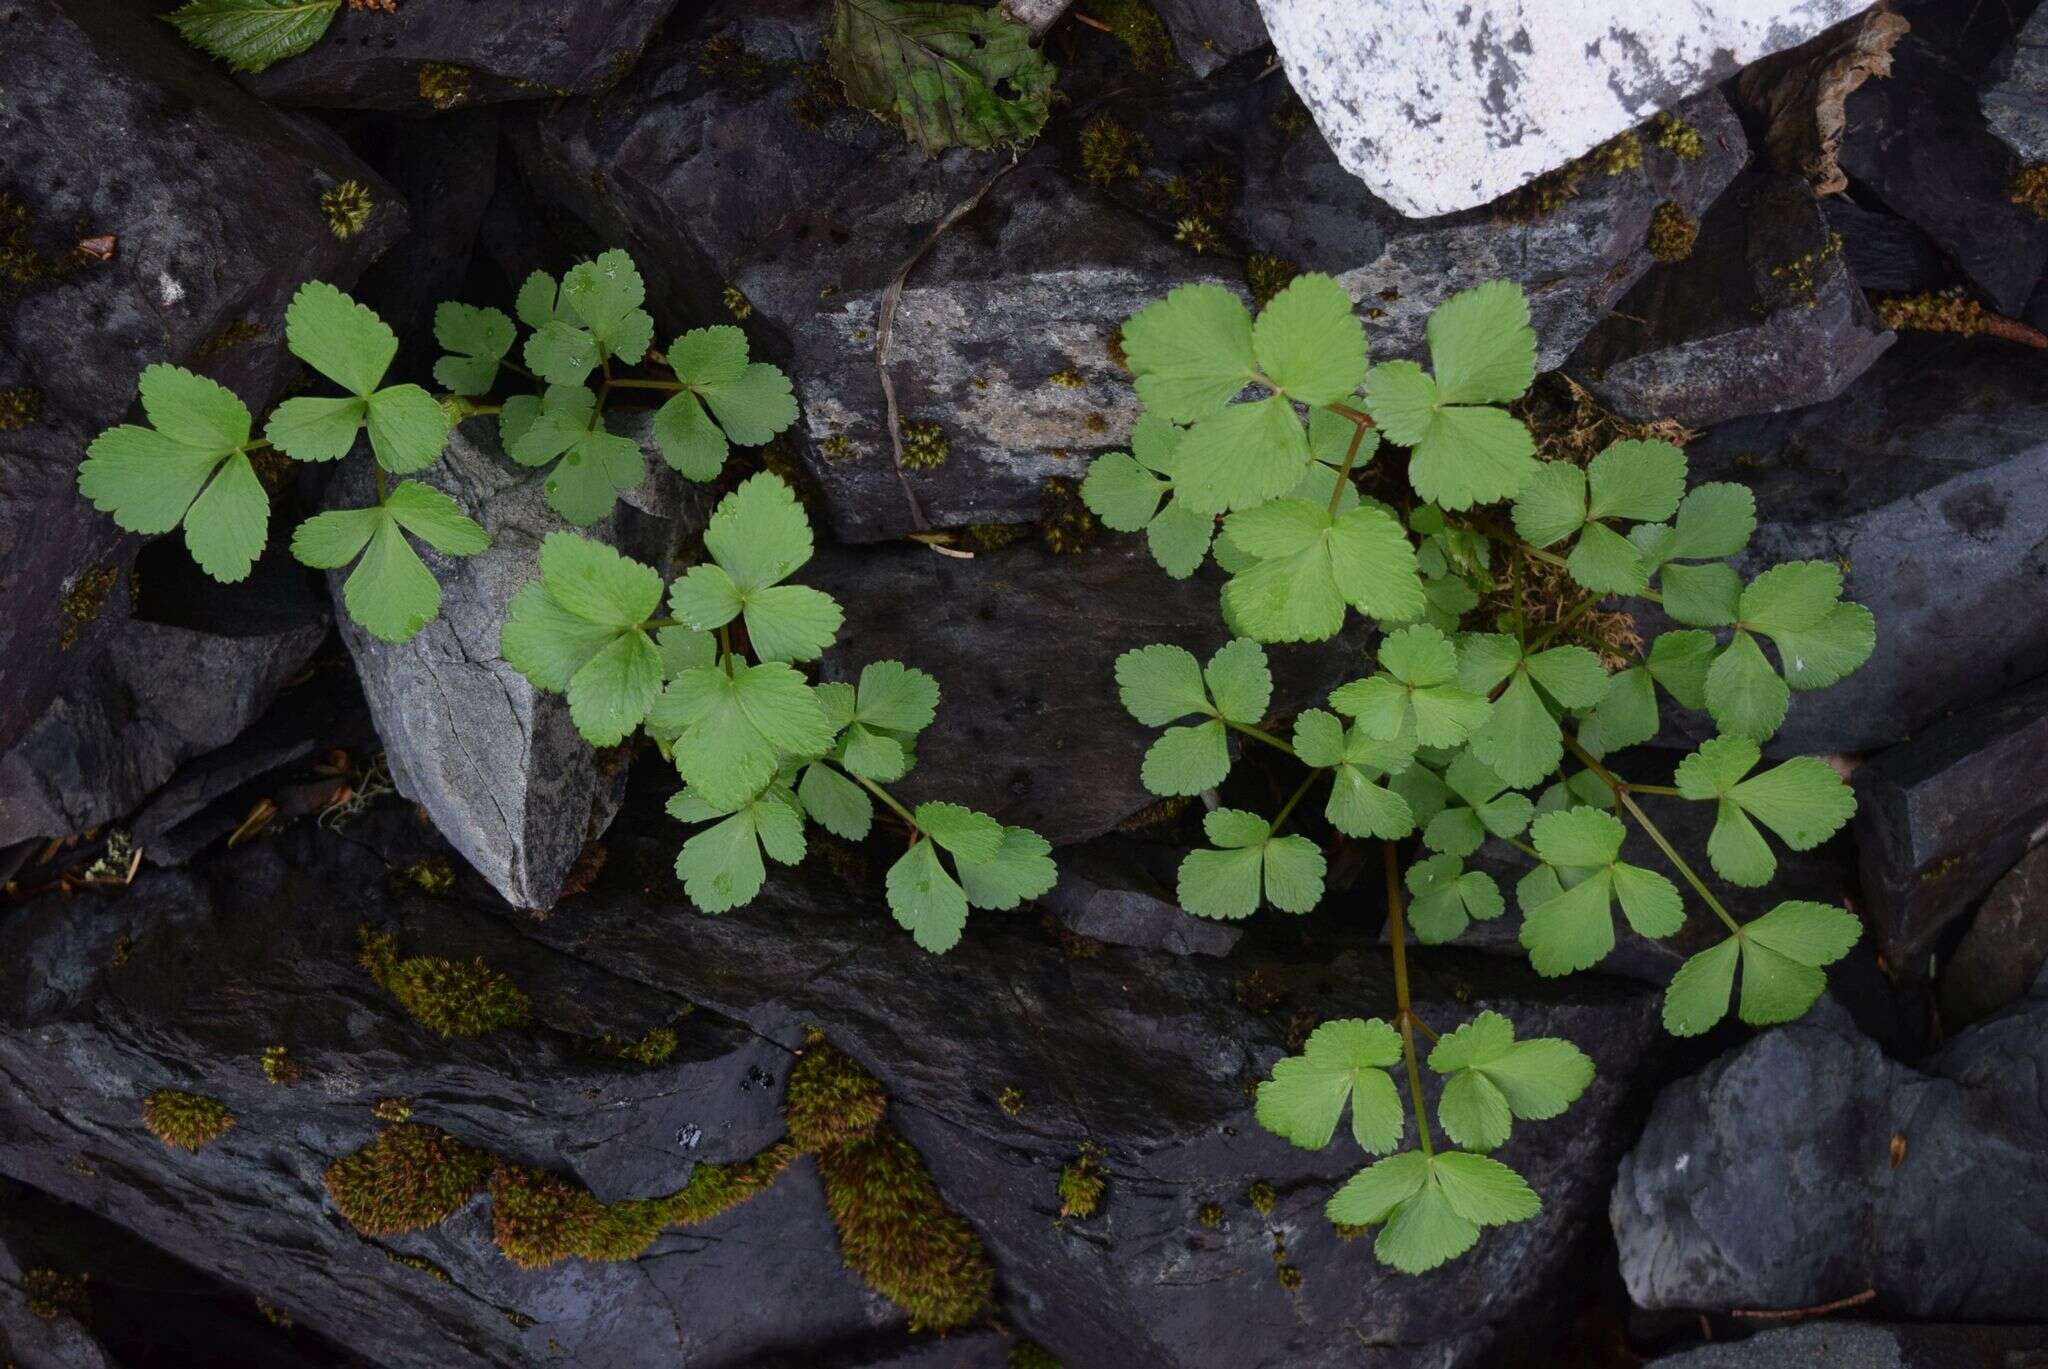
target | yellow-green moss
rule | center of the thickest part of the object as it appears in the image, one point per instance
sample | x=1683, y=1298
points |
x=191, y=1121
x=274, y=1314
x=925, y=446
x=1197, y=233
x=419, y=1262
x=1622, y=152
x=1347, y=1231
x=1011, y=1100
x=1067, y=378
x=434, y=876
x=392, y=1109
x=539, y=1218
x=451, y=998
x=20, y=405
x=1549, y=192
x=347, y=208
x=1268, y=275
x=897, y=1233
x=83, y=601
x=714, y=1190
x=1290, y=1277
x=652, y=1050
x=830, y=1100
x=737, y=304
x=1801, y=275
x=1935, y=311
x=837, y=447
x=1292, y=117
x=1209, y=1215
x=818, y=95
x=409, y=1178
x=1110, y=151
x=994, y=536
x=1133, y=24
x=51, y=1295
x=279, y=1067
x=1672, y=232
x=1063, y=519
x=21, y=264
x=1676, y=136
x=1262, y=1197
x=2029, y=189
x=443, y=86
x=1081, y=1185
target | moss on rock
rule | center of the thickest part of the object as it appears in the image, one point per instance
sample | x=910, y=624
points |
x=897, y=1233
x=190, y=1121
x=830, y=1100
x=1672, y=232
x=409, y=1178
x=452, y=998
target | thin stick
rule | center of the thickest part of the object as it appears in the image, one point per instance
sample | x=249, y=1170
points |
x=1795, y=1313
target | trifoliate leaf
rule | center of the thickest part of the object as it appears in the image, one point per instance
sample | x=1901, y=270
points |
x=1433, y=1206
x=347, y=342
x=1445, y=896
x=1359, y=805
x=927, y=901
x=1125, y=491
x=1190, y=352
x=1241, y=456
x=1308, y=342
x=391, y=593
x=1803, y=800
x=1310, y=566
x=1160, y=684
x=1482, y=808
x=1781, y=953
x=1573, y=928
x=1253, y=863
x=835, y=802
x=250, y=35
x=1343, y=1061
x=1417, y=688
x=751, y=399
x=1461, y=456
x=732, y=727
x=947, y=75
x=759, y=536
x=1714, y=520
x=190, y=467
x=606, y=295
x=579, y=630
x=1493, y=1077
x=1625, y=716
x=477, y=340
x=1021, y=869
x=721, y=866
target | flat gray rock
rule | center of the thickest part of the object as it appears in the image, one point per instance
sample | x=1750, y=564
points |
x=1441, y=107
x=2015, y=103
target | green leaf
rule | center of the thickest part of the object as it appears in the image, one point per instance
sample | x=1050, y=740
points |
x=759, y=533
x=587, y=481
x=1552, y=506
x=1679, y=661
x=687, y=438
x=752, y=400
x=606, y=294
x=1606, y=562
x=1714, y=520
x=1637, y=480
x=1697, y=997
x=1493, y=1077
x=1830, y=650
x=1187, y=760
x=1417, y=688
x=962, y=831
x=536, y=432
x=1359, y=806
x=1309, y=343
x=1021, y=869
x=1567, y=929
x=391, y=592
x=328, y=541
x=1625, y=716
x=835, y=802
x=947, y=75
x=1461, y=456
x=1241, y=456
x=1482, y=346
x=1702, y=596
x=1179, y=538
x=341, y=339
x=927, y=901
x=1371, y=1195
x=1191, y=352
x=579, y=630
x=721, y=866
x=1121, y=492
x=1342, y=1062
x=1433, y=1206
x=250, y=35
x=1228, y=883
x=896, y=698
x=1745, y=696
x=435, y=519
x=1311, y=565
x=408, y=429
x=759, y=536
x=561, y=353
x=540, y=302
x=1520, y=739
x=1460, y=828
x=1160, y=684
x=1571, y=675
x=1781, y=954
x=477, y=340
x=1239, y=681
x=1803, y=800
x=1446, y=897
x=732, y=730
x=1484, y=1190
x=228, y=523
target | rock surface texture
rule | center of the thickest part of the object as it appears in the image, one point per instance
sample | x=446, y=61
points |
x=1807, y=1166
x=1852, y=1345
x=2015, y=103
x=1442, y=107
x=209, y=202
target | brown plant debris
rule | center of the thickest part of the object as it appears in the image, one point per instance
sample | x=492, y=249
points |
x=1801, y=94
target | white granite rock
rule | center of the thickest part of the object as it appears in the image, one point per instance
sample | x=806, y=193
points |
x=1441, y=105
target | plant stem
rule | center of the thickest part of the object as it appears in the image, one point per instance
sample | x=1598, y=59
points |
x=1524, y=847
x=898, y=809
x=1363, y=420
x=1621, y=792
x=725, y=649
x=1259, y=733
x=516, y=369
x=379, y=472
x=1403, y=1010
x=1577, y=612
x=1350, y=456
x=1295, y=797
x=1664, y=789
x=657, y=624
x=646, y=385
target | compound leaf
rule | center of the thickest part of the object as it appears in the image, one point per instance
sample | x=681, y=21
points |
x=927, y=901
x=477, y=341
x=1343, y=1061
x=1309, y=343
x=1191, y=351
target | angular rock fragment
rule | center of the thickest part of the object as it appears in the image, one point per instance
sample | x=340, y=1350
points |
x=497, y=763
x=1120, y=892
x=2005, y=948
x=1942, y=816
x=1763, y=315
x=2015, y=101
x=1807, y=1166
x=1439, y=109
x=1209, y=33
x=213, y=203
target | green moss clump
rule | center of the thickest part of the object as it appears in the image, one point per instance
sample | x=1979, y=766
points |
x=274, y=1314
x=279, y=1067
x=1676, y=136
x=1082, y=1185
x=1935, y=311
x=1553, y=189
x=737, y=304
x=1262, y=1197
x=925, y=446
x=1672, y=232
x=897, y=1233
x=1347, y=1231
x=443, y=86
x=1197, y=233
x=1111, y=151
x=190, y=1121
x=83, y=601
x=837, y=447
x=1133, y=24
x=51, y=1295
x=20, y=405
x=715, y=1190
x=21, y=264
x=434, y=876
x=2029, y=189
x=409, y=1178
x=652, y=1050
x=347, y=208
x=419, y=1262
x=1290, y=1277
x=1011, y=1100
x=1063, y=519
x=452, y=998
x=1268, y=275
x=392, y=1109
x=1801, y=275
x=994, y=536
x=1209, y=1215
x=539, y=1218
x=1067, y=378
x=831, y=1100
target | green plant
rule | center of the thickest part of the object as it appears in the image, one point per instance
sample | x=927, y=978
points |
x=947, y=75
x=250, y=35
x=189, y=1121
x=1484, y=687
x=452, y=998
x=759, y=748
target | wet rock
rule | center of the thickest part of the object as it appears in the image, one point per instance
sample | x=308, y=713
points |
x=2005, y=948
x=1209, y=33
x=1764, y=315
x=159, y=695
x=1927, y=479
x=427, y=56
x=1438, y=111
x=2015, y=103
x=1808, y=1166
x=497, y=763
x=1905, y=1345
x=1120, y=892
x=1919, y=143
x=1942, y=816
x=1023, y=643
x=212, y=202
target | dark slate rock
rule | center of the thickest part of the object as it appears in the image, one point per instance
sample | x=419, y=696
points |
x=435, y=55
x=1120, y=892
x=1941, y=817
x=1768, y=1180
x=2005, y=948
x=1764, y=316
x=1928, y=480
x=1023, y=643
x=497, y=763
x=2015, y=102
x=1209, y=33
x=1885, y=253
x=1870, y=1345
x=159, y=696
x=1918, y=141
x=113, y=126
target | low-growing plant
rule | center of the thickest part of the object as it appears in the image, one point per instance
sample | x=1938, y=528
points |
x=1482, y=696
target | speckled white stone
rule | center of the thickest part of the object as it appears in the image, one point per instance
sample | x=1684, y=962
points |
x=1440, y=105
